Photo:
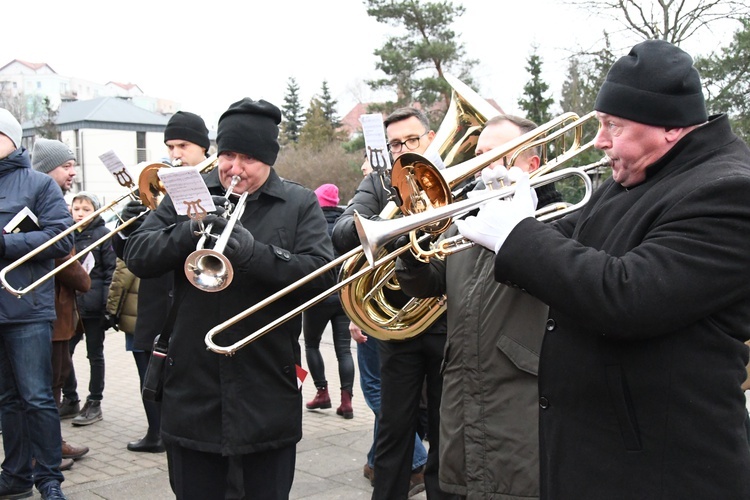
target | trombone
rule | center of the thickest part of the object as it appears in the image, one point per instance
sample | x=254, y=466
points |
x=435, y=215
x=148, y=191
x=372, y=243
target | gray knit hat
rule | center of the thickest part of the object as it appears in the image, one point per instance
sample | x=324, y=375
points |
x=49, y=154
x=87, y=195
x=9, y=126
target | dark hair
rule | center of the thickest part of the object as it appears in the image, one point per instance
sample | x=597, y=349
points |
x=404, y=113
x=524, y=125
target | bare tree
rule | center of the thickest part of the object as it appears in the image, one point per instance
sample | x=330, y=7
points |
x=672, y=20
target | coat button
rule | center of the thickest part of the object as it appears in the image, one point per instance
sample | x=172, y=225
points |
x=543, y=403
x=551, y=325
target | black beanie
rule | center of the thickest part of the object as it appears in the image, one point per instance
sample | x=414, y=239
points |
x=251, y=128
x=187, y=126
x=655, y=84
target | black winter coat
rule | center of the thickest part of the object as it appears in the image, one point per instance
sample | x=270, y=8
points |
x=641, y=365
x=93, y=303
x=248, y=402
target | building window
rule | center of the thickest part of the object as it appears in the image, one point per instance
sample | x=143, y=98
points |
x=140, y=139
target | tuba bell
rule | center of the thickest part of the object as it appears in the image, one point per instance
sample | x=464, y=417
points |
x=374, y=302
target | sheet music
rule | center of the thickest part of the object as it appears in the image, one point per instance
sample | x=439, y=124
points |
x=118, y=169
x=375, y=143
x=188, y=190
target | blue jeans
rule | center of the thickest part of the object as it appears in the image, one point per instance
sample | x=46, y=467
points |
x=368, y=360
x=31, y=424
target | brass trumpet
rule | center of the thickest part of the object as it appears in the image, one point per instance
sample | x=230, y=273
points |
x=208, y=269
x=149, y=192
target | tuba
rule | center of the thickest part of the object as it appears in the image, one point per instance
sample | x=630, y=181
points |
x=374, y=302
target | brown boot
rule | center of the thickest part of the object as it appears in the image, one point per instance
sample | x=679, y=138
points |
x=322, y=400
x=73, y=451
x=345, y=410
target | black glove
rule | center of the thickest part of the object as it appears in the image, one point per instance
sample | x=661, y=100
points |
x=221, y=204
x=240, y=247
x=110, y=321
x=133, y=209
x=408, y=257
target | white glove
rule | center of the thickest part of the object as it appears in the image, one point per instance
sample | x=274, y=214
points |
x=497, y=218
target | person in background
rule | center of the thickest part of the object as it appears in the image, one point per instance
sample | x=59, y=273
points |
x=91, y=306
x=248, y=405
x=403, y=364
x=56, y=159
x=27, y=407
x=187, y=142
x=315, y=319
x=644, y=352
x=489, y=444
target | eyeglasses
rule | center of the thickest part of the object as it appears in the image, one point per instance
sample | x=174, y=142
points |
x=411, y=144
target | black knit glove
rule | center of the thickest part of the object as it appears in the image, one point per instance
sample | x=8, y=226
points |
x=133, y=209
x=240, y=245
x=408, y=257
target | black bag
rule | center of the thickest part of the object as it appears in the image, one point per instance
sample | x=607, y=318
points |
x=153, y=382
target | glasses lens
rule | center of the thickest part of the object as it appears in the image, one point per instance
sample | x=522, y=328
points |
x=412, y=143
x=395, y=147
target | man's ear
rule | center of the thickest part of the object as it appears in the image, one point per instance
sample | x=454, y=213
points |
x=534, y=162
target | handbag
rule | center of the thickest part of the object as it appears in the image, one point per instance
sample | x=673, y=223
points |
x=153, y=381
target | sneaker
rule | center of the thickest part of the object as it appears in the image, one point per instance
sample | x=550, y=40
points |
x=51, y=491
x=91, y=413
x=69, y=409
x=369, y=474
x=416, y=482
x=73, y=451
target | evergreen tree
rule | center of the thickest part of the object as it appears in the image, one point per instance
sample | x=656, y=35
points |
x=329, y=106
x=317, y=130
x=536, y=105
x=415, y=60
x=291, y=113
x=45, y=124
x=726, y=79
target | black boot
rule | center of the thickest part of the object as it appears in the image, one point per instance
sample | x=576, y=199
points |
x=149, y=443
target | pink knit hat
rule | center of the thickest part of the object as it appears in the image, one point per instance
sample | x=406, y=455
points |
x=328, y=195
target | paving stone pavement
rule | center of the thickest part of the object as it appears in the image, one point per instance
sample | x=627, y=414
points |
x=330, y=456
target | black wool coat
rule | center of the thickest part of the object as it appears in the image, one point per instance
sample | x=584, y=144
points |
x=248, y=402
x=641, y=365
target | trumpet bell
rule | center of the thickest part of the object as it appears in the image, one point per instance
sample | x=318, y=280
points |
x=208, y=270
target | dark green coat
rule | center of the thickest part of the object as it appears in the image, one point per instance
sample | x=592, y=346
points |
x=641, y=366
x=489, y=446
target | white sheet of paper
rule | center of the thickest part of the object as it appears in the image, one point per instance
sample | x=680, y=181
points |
x=118, y=169
x=88, y=262
x=188, y=190
x=375, y=143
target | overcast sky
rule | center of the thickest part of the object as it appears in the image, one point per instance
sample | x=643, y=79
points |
x=206, y=55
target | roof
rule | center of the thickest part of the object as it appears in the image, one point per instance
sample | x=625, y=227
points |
x=111, y=113
x=34, y=66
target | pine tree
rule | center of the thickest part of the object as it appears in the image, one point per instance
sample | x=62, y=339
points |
x=291, y=113
x=536, y=105
x=329, y=106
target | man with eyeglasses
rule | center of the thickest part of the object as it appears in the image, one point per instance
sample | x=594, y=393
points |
x=404, y=365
